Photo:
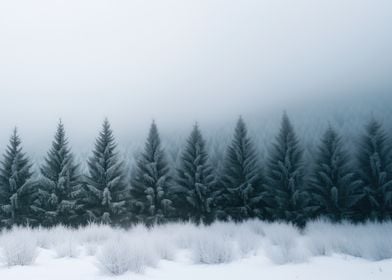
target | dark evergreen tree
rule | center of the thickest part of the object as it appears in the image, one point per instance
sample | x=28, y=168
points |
x=334, y=189
x=241, y=180
x=374, y=169
x=60, y=184
x=151, y=183
x=106, y=193
x=195, y=181
x=285, y=195
x=17, y=192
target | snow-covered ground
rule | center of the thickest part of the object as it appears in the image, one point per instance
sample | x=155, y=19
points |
x=252, y=250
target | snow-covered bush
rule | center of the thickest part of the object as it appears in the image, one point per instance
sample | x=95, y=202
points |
x=115, y=257
x=161, y=239
x=68, y=248
x=51, y=238
x=212, y=248
x=284, y=243
x=44, y=237
x=119, y=250
x=250, y=236
x=184, y=234
x=372, y=241
x=121, y=254
x=255, y=226
x=96, y=233
x=19, y=247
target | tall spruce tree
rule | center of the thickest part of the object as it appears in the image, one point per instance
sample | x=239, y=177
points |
x=195, y=181
x=151, y=183
x=59, y=184
x=106, y=193
x=334, y=189
x=374, y=169
x=17, y=192
x=285, y=195
x=242, y=192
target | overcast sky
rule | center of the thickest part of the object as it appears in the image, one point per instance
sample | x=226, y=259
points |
x=179, y=61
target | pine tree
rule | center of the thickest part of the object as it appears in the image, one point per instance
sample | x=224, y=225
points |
x=60, y=184
x=334, y=188
x=241, y=196
x=151, y=183
x=285, y=193
x=195, y=181
x=374, y=169
x=106, y=193
x=16, y=187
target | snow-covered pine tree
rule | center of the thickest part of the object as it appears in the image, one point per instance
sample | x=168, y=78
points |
x=59, y=184
x=333, y=188
x=151, y=183
x=285, y=194
x=374, y=170
x=195, y=181
x=16, y=187
x=241, y=180
x=106, y=193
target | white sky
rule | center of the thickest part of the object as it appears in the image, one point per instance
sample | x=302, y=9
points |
x=179, y=61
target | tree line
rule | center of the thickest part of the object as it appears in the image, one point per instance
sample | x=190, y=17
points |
x=284, y=187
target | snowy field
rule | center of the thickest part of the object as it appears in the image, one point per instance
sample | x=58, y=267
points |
x=251, y=250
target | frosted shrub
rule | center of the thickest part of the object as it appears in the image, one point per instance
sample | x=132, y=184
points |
x=372, y=241
x=121, y=255
x=211, y=248
x=19, y=247
x=224, y=229
x=51, y=238
x=164, y=246
x=284, y=243
x=248, y=241
x=281, y=234
x=96, y=233
x=68, y=248
x=115, y=257
x=44, y=237
x=380, y=246
x=184, y=234
x=256, y=226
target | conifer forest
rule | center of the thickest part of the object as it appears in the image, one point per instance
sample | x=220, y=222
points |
x=285, y=186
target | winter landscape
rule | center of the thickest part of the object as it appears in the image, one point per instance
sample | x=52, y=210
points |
x=209, y=139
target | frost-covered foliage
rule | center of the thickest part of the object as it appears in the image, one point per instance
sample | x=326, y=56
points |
x=375, y=172
x=284, y=243
x=294, y=182
x=285, y=194
x=59, y=184
x=241, y=180
x=334, y=189
x=19, y=246
x=69, y=245
x=372, y=241
x=106, y=193
x=122, y=254
x=213, y=249
x=151, y=184
x=195, y=181
x=16, y=188
x=118, y=251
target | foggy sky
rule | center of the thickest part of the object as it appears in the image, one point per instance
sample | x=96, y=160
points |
x=179, y=61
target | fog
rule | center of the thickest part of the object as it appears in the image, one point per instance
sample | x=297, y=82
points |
x=179, y=61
